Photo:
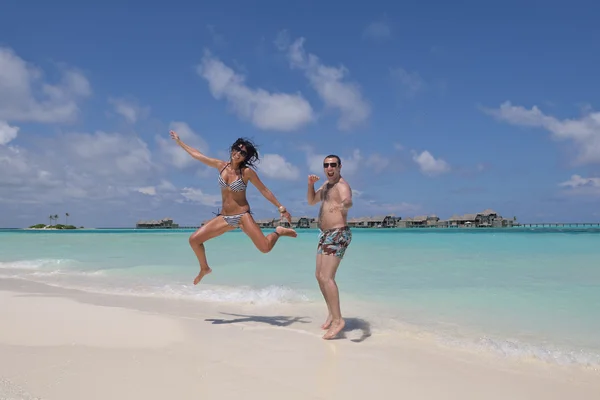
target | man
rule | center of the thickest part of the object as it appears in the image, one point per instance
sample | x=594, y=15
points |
x=335, y=236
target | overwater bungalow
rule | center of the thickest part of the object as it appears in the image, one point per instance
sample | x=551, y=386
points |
x=297, y=223
x=421, y=221
x=165, y=223
x=304, y=222
x=360, y=222
x=387, y=221
x=266, y=223
x=485, y=219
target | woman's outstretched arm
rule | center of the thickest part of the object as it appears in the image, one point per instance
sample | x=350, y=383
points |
x=211, y=162
x=253, y=177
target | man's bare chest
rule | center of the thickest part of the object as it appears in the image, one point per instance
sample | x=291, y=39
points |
x=330, y=194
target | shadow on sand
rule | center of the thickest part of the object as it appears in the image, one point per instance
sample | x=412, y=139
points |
x=278, y=320
x=355, y=324
x=352, y=324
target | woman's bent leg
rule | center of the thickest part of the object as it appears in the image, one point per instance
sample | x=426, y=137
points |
x=263, y=243
x=215, y=227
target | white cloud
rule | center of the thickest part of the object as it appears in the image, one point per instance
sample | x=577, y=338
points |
x=7, y=133
x=173, y=153
x=580, y=186
x=429, y=165
x=166, y=186
x=377, y=162
x=197, y=196
x=276, y=167
x=162, y=188
x=411, y=81
x=357, y=193
x=584, y=131
x=398, y=146
x=329, y=83
x=377, y=30
x=376, y=207
x=108, y=153
x=15, y=167
x=350, y=164
x=314, y=162
x=149, y=190
x=129, y=109
x=96, y=167
x=25, y=97
x=268, y=111
x=579, y=181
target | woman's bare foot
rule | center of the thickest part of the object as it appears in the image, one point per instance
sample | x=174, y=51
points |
x=201, y=274
x=286, y=231
x=327, y=323
x=336, y=328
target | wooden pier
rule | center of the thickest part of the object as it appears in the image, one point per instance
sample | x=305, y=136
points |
x=558, y=224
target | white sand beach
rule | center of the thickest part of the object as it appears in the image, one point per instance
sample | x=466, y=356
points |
x=70, y=345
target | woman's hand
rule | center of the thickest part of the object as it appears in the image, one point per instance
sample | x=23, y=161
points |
x=174, y=136
x=286, y=215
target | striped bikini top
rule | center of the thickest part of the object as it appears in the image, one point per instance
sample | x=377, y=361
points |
x=236, y=186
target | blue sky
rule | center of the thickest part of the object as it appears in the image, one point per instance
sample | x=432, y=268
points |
x=433, y=108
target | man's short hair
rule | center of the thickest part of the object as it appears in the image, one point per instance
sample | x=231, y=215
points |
x=334, y=156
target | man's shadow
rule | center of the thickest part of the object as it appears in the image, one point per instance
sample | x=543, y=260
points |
x=355, y=324
x=352, y=324
x=278, y=320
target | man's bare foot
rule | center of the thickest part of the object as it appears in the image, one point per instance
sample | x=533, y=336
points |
x=336, y=328
x=327, y=323
x=201, y=275
x=286, y=231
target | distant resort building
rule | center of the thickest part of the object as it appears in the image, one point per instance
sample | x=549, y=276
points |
x=384, y=221
x=165, y=223
x=297, y=223
x=485, y=219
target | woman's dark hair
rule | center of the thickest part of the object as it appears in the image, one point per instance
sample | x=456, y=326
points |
x=252, y=157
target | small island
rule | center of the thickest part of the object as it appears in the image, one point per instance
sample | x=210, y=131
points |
x=56, y=226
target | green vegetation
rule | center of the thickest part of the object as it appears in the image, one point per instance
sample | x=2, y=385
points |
x=57, y=226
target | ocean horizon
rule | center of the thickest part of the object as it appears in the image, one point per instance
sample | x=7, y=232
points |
x=516, y=292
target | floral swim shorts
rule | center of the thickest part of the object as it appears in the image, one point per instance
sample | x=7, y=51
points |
x=334, y=241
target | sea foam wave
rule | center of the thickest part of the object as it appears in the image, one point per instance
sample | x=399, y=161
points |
x=541, y=352
x=98, y=283
x=218, y=294
x=531, y=349
x=36, y=264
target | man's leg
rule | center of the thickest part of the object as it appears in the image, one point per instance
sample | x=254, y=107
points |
x=329, y=266
x=318, y=275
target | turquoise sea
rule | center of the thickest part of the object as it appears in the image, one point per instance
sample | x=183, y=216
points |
x=516, y=292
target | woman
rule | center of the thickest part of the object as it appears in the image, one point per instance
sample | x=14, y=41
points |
x=233, y=178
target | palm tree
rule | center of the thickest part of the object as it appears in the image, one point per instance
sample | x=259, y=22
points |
x=51, y=218
x=56, y=217
x=66, y=218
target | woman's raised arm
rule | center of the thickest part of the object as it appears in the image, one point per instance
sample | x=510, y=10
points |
x=211, y=162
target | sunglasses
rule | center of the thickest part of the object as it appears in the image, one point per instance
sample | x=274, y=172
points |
x=328, y=164
x=242, y=152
